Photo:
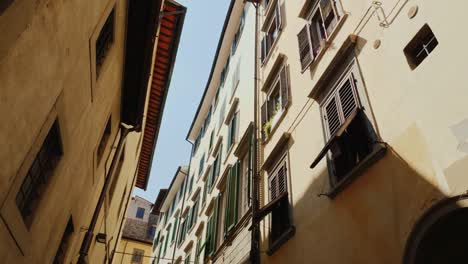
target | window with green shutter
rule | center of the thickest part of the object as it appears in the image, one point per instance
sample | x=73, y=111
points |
x=212, y=230
x=165, y=244
x=174, y=231
x=232, y=199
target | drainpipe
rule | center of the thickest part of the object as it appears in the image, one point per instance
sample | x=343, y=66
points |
x=83, y=258
x=255, y=239
x=129, y=194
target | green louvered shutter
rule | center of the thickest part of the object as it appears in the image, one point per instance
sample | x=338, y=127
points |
x=232, y=203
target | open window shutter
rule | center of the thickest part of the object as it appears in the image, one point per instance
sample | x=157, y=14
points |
x=209, y=232
x=306, y=52
x=264, y=49
x=278, y=182
x=235, y=199
x=284, y=86
x=228, y=204
x=279, y=16
x=348, y=98
x=264, y=113
x=332, y=116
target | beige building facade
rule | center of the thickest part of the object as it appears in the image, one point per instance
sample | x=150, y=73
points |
x=363, y=123
x=74, y=136
x=138, y=233
x=206, y=214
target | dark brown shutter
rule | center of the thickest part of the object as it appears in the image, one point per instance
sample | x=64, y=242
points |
x=332, y=117
x=342, y=103
x=284, y=86
x=278, y=182
x=263, y=44
x=306, y=52
x=279, y=16
x=264, y=114
x=348, y=98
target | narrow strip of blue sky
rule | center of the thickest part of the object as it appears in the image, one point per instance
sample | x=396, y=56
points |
x=200, y=36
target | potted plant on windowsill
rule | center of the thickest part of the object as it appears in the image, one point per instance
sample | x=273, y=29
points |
x=267, y=129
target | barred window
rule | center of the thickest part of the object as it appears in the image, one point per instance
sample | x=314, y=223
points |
x=35, y=182
x=104, y=41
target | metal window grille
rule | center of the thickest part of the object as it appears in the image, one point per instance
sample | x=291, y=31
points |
x=104, y=41
x=39, y=173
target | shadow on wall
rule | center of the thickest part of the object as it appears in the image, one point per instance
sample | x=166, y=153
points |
x=368, y=222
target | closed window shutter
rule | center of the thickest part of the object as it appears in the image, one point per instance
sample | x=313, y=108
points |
x=264, y=111
x=208, y=236
x=264, y=48
x=341, y=104
x=214, y=227
x=278, y=17
x=175, y=228
x=306, y=52
x=232, y=203
x=284, y=86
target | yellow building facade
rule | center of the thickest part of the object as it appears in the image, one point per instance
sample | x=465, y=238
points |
x=362, y=123
x=75, y=140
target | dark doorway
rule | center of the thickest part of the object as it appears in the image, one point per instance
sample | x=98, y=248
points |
x=446, y=241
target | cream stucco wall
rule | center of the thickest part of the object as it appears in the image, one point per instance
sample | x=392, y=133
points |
x=420, y=113
x=128, y=246
x=46, y=73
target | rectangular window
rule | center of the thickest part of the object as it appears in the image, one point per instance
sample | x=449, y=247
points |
x=277, y=101
x=420, y=46
x=221, y=114
x=174, y=230
x=211, y=141
x=198, y=250
x=272, y=32
x=42, y=168
x=216, y=169
x=152, y=232
x=64, y=243
x=278, y=190
x=104, y=139
x=137, y=256
x=351, y=135
x=232, y=131
x=313, y=37
x=105, y=41
x=231, y=208
x=140, y=212
x=201, y=164
x=187, y=259
x=212, y=231
x=244, y=183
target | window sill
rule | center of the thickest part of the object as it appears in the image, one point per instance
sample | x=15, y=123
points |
x=275, y=123
x=288, y=234
x=377, y=154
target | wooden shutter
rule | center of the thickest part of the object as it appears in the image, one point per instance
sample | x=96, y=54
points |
x=278, y=182
x=232, y=194
x=209, y=227
x=306, y=52
x=284, y=87
x=264, y=48
x=214, y=226
x=341, y=104
x=264, y=113
x=278, y=17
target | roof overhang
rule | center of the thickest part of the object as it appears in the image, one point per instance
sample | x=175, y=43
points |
x=171, y=22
